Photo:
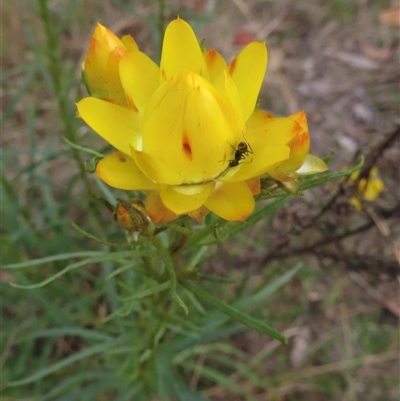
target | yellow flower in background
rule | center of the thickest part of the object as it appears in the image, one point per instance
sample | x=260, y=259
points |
x=187, y=131
x=368, y=188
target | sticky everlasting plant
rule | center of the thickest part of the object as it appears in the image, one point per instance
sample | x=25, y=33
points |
x=195, y=156
x=191, y=142
x=188, y=131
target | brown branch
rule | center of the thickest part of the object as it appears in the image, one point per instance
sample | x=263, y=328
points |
x=282, y=252
x=377, y=151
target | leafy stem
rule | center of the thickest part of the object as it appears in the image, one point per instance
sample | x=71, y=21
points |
x=56, y=70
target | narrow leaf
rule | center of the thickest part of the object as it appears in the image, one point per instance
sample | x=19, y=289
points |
x=235, y=314
x=221, y=379
x=82, y=148
x=87, y=352
x=50, y=259
x=148, y=291
x=270, y=288
x=93, y=237
x=69, y=331
x=106, y=257
x=172, y=277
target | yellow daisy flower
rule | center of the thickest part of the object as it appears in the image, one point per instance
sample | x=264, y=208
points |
x=187, y=131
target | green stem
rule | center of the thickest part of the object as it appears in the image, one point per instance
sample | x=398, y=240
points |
x=56, y=70
x=170, y=268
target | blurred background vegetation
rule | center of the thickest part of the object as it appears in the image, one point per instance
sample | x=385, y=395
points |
x=337, y=60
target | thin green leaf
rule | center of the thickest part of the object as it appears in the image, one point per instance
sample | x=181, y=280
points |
x=215, y=279
x=92, y=391
x=266, y=291
x=66, y=385
x=209, y=334
x=93, y=237
x=120, y=312
x=221, y=379
x=50, y=259
x=196, y=304
x=211, y=348
x=195, y=258
x=148, y=291
x=172, y=277
x=107, y=257
x=69, y=331
x=240, y=368
x=86, y=353
x=171, y=383
x=23, y=88
x=137, y=267
x=82, y=148
x=235, y=314
x=14, y=71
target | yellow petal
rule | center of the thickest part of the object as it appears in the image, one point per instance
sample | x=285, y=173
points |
x=254, y=185
x=259, y=163
x=262, y=129
x=139, y=77
x=108, y=38
x=156, y=210
x=247, y=71
x=312, y=165
x=231, y=201
x=186, y=127
x=117, y=125
x=215, y=63
x=225, y=85
x=299, y=145
x=156, y=170
x=301, y=119
x=279, y=175
x=120, y=171
x=185, y=198
x=129, y=43
x=199, y=213
x=101, y=66
x=181, y=51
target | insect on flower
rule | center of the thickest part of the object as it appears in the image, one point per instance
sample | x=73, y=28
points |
x=243, y=150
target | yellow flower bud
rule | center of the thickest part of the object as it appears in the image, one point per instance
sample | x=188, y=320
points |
x=131, y=215
x=100, y=67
